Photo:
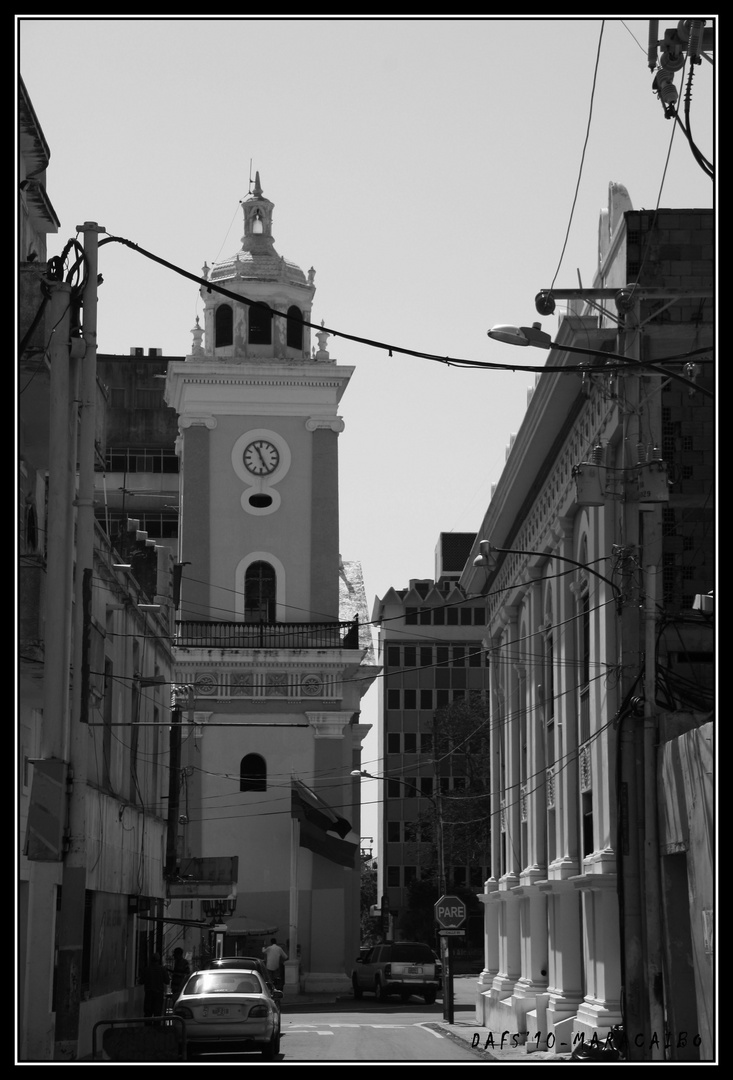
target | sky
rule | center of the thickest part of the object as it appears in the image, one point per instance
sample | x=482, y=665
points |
x=436, y=172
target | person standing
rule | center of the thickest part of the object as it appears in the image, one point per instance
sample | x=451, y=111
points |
x=179, y=973
x=154, y=978
x=275, y=957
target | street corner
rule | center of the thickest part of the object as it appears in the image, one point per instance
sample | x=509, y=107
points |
x=500, y=1046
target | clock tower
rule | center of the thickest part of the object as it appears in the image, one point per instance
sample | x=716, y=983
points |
x=268, y=638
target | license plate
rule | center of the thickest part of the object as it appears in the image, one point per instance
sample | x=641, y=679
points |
x=414, y=971
x=220, y=1010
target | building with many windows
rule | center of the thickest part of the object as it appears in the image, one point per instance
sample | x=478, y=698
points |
x=430, y=641
x=137, y=470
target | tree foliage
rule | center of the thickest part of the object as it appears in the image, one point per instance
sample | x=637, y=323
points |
x=461, y=794
x=368, y=898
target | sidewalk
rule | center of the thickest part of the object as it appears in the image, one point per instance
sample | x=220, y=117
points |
x=491, y=1045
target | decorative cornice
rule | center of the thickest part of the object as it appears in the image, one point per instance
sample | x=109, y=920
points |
x=188, y=421
x=316, y=422
x=360, y=732
x=200, y=720
x=329, y=725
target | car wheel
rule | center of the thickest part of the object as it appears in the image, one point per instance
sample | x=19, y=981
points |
x=379, y=992
x=272, y=1049
x=429, y=997
x=405, y=995
x=358, y=992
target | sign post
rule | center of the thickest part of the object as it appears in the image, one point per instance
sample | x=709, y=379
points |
x=450, y=915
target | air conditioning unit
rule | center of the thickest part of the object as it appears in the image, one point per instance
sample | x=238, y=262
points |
x=136, y=351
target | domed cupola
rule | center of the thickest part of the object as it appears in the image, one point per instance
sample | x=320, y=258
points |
x=249, y=331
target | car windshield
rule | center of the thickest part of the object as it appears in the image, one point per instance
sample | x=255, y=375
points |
x=224, y=982
x=412, y=954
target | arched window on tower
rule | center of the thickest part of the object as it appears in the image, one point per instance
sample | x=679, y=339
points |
x=295, y=328
x=260, y=593
x=223, y=326
x=253, y=773
x=260, y=325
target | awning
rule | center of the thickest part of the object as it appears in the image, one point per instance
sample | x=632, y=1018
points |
x=177, y=922
x=243, y=925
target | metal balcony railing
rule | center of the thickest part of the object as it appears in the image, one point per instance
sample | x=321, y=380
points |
x=261, y=635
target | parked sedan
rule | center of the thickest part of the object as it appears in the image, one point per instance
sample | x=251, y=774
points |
x=230, y=1007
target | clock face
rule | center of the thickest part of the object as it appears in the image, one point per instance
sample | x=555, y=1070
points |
x=261, y=457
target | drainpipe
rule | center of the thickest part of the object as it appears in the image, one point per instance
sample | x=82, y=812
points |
x=74, y=880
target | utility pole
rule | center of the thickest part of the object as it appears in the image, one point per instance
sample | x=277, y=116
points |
x=639, y=856
x=74, y=879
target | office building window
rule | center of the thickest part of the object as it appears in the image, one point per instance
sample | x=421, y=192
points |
x=393, y=832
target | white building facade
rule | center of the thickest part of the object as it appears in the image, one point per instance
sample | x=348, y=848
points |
x=583, y=557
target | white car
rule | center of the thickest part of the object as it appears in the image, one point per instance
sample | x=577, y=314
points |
x=232, y=1008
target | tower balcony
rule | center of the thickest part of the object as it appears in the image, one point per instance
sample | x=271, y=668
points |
x=206, y=634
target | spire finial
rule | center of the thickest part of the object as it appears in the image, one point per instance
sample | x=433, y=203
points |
x=258, y=187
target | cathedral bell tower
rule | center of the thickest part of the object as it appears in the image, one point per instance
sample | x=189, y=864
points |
x=275, y=665
x=271, y=284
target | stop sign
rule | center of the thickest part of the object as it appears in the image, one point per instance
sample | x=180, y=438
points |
x=450, y=912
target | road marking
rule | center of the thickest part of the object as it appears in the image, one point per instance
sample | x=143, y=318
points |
x=310, y=1029
x=437, y=1034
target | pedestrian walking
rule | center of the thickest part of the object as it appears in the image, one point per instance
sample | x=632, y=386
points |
x=275, y=958
x=179, y=973
x=154, y=978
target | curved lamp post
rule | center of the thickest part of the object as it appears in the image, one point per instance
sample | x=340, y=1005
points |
x=534, y=335
x=488, y=550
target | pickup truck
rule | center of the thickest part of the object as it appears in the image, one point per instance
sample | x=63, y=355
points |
x=402, y=967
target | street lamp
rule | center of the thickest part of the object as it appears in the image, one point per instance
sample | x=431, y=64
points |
x=434, y=799
x=488, y=550
x=534, y=335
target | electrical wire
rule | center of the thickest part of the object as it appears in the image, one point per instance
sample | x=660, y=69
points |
x=582, y=157
x=624, y=362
